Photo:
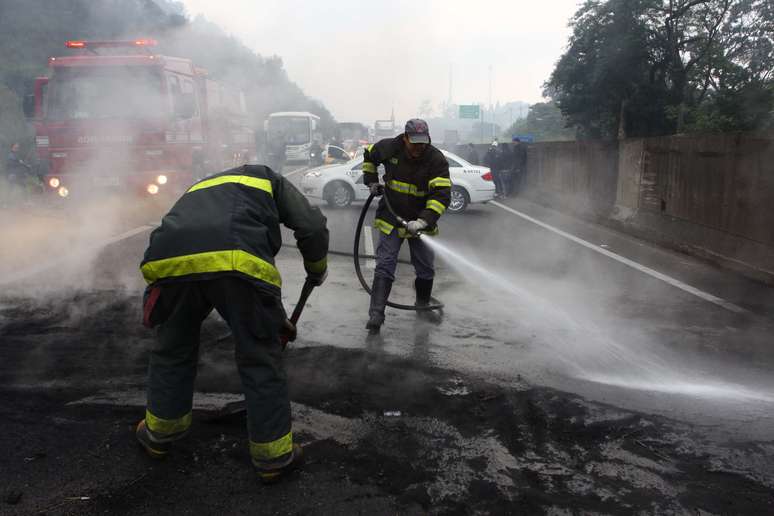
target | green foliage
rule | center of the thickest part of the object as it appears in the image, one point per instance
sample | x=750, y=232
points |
x=653, y=67
x=545, y=122
x=31, y=31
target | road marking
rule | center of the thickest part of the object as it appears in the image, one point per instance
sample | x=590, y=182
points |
x=626, y=261
x=296, y=171
x=369, y=246
x=38, y=269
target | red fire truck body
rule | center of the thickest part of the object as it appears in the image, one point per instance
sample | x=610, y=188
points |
x=134, y=122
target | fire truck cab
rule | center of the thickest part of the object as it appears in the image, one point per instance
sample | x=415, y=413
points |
x=119, y=116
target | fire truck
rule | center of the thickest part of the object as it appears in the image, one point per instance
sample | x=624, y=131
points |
x=118, y=116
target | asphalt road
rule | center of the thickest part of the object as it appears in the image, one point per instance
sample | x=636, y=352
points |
x=577, y=370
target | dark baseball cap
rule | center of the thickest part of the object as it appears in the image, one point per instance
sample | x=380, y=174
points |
x=417, y=131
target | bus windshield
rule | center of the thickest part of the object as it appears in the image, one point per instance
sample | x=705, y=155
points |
x=293, y=130
x=105, y=92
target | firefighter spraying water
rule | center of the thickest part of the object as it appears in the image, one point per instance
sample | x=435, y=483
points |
x=415, y=193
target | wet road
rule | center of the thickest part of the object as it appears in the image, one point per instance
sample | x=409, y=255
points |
x=591, y=310
x=575, y=368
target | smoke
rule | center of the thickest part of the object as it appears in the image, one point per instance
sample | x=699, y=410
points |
x=362, y=67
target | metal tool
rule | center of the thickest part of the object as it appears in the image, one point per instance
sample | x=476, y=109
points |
x=306, y=290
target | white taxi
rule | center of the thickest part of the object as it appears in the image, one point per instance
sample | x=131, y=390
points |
x=339, y=185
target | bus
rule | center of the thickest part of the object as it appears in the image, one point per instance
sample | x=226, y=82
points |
x=298, y=129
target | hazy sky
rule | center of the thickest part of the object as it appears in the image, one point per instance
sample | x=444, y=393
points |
x=362, y=58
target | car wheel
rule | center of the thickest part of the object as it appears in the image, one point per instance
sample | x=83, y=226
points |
x=459, y=200
x=339, y=195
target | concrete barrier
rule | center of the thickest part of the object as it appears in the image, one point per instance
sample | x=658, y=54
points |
x=710, y=196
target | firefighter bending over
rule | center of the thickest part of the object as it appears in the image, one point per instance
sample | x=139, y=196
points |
x=417, y=184
x=215, y=249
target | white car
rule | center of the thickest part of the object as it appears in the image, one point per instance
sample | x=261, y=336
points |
x=341, y=184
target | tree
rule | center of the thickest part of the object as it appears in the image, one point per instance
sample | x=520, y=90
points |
x=544, y=122
x=650, y=67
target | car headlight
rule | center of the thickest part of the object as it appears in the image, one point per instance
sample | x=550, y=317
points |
x=313, y=174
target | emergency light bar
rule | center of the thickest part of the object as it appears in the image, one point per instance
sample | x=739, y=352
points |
x=111, y=44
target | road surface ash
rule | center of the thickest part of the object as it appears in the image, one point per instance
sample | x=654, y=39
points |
x=461, y=443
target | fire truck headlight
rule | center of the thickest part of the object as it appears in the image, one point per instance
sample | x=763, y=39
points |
x=153, y=189
x=162, y=179
x=54, y=182
x=63, y=192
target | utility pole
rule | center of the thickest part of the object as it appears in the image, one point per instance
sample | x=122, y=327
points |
x=481, y=109
x=490, y=98
x=451, y=78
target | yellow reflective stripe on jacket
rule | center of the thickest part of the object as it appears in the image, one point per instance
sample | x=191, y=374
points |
x=212, y=261
x=435, y=206
x=369, y=167
x=404, y=188
x=317, y=267
x=440, y=182
x=161, y=426
x=252, y=182
x=272, y=450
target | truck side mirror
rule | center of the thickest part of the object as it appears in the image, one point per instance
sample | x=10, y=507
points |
x=28, y=105
x=185, y=106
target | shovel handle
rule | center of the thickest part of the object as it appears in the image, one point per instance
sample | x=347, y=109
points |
x=306, y=290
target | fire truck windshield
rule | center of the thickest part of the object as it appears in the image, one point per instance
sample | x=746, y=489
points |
x=105, y=92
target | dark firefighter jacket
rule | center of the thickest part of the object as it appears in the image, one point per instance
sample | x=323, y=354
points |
x=229, y=224
x=416, y=188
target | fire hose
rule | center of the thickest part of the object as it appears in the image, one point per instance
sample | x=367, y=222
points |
x=434, y=305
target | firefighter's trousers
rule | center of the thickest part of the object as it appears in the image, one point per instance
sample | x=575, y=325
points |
x=422, y=256
x=255, y=319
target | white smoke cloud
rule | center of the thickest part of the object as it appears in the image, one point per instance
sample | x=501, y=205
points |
x=362, y=60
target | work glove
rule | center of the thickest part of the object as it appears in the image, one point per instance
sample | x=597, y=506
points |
x=376, y=189
x=415, y=226
x=288, y=333
x=317, y=278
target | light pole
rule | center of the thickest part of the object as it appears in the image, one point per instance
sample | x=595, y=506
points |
x=491, y=116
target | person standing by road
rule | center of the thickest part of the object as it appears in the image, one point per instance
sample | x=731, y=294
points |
x=491, y=161
x=418, y=187
x=215, y=249
x=519, y=159
x=504, y=165
x=472, y=155
x=277, y=153
x=315, y=154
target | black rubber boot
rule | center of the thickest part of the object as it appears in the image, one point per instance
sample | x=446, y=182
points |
x=380, y=291
x=424, y=289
